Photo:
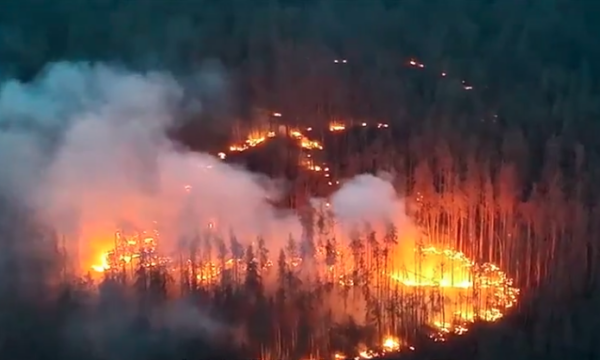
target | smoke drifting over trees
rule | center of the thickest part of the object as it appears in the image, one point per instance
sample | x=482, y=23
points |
x=495, y=136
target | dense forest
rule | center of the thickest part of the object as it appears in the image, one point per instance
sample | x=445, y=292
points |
x=492, y=107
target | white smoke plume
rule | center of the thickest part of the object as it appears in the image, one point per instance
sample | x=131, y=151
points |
x=368, y=203
x=85, y=147
x=366, y=198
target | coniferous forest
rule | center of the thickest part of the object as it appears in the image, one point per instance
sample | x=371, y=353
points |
x=491, y=111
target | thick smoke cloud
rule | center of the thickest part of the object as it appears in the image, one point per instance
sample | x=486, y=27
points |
x=366, y=198
x=368, y=203
x=84, y=147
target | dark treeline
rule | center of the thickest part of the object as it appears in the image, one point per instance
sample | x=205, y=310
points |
x=505, y=170
x=535, y=63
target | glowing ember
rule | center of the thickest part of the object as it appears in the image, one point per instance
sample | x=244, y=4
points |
x=465, y=291
x=304, y=141
x=336, y=126
x=391, y=344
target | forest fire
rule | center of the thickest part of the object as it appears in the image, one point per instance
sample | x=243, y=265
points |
x=438, y=289
x=253, y=140
x=460, y=291
x=128, y=230
x=140, y=246
x=452, y=290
